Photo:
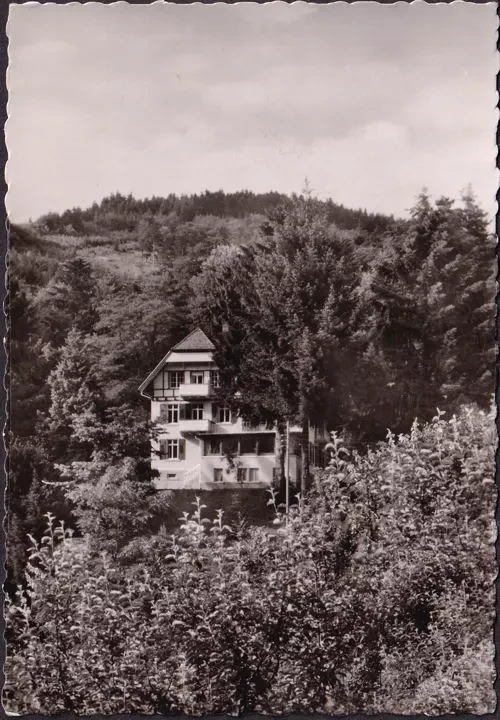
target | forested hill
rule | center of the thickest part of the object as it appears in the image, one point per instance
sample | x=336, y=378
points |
x=120, y=212
x=378, y=326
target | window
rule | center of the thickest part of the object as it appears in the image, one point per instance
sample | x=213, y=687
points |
x=266, y=444
x=169, y=413
x=214, y=378
x=197, y=411
x=213, y=446
x=218, y=475
x=248, y=445
x=175, y=378
x=248, y=474
x=172, y=413
x=172, y=449
x=230, y=446
x=224, y=414
x=193, y=411
x=197, y=377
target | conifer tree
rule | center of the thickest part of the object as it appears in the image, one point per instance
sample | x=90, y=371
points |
x=76, y=400
x=148, y=235
x=475, y=337
x=434, y=289
x=69, y=300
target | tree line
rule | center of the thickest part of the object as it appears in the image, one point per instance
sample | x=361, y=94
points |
x=123, y=212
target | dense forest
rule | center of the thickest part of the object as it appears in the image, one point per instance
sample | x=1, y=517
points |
x=119, y=212
x=320, y=314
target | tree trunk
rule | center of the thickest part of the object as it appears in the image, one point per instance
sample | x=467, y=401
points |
x=304, y=453
x=280, y=457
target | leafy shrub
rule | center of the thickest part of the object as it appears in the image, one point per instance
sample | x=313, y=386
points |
x=376, y=596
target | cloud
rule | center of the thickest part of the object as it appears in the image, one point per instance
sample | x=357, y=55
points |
x=371, y=102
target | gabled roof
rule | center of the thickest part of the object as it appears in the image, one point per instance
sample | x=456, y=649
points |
x=196, y=340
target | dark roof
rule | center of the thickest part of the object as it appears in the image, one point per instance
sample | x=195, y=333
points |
x=196, y=340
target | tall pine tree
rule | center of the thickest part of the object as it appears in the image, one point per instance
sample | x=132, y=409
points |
x=433, y=286
x=76, y=408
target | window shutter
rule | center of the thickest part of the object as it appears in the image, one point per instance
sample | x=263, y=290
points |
x=242, y=474
x=163, y=449
x=163, y=412
x=182, y=412
x=182, y=449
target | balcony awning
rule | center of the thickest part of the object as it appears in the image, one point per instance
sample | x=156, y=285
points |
x=189, y=357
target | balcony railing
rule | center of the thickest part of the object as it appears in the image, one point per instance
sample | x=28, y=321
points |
x=195, y=390
x=192, y=476
x=257, y=427
x=196, y=426
x=160, y=395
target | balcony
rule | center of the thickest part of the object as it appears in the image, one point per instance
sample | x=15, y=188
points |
x=257, y=427
x=195, y=390
x=196, y=426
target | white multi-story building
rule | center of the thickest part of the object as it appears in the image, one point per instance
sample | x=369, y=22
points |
x=199, y=443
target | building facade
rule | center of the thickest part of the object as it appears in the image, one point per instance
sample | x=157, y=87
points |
x=199, y=443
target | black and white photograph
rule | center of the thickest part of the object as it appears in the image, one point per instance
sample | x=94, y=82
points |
x=251, y=359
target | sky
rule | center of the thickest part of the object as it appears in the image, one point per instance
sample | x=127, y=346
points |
x=370, y=102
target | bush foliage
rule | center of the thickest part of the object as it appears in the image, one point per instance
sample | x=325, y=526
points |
x=376, y=596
